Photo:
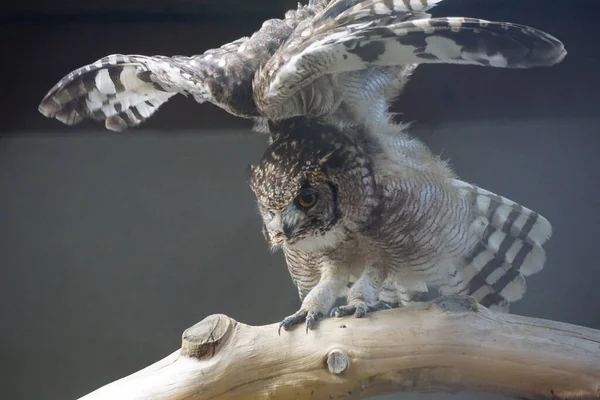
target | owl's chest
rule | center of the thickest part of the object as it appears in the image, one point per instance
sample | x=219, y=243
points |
x=356, y=253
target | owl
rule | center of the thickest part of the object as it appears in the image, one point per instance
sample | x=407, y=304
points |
x=360, y=209
x=383, y=215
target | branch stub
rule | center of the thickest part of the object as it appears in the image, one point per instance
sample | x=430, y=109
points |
x=338, y=361
x=201, y=340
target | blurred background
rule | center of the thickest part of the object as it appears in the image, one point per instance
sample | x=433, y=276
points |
x=112, y=244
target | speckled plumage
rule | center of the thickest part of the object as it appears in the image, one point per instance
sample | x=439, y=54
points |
x=347, y=194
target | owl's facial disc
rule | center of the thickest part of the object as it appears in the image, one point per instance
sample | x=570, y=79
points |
x=294, y=217
x=305, y=219
x=297, y=181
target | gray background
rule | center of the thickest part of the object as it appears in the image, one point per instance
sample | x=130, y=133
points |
x=111, y=245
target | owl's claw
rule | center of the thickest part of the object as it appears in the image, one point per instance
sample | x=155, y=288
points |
x=343, y=311
x=359, y=310
x=311, y=319
x=292, y=320
x=300, y=316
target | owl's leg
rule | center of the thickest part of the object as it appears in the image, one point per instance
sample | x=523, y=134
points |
x=320, y=299
x=363, y=296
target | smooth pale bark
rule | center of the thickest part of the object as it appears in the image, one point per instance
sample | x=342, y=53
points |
x=450, y=345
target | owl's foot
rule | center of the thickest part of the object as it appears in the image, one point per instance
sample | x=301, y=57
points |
x=359, y=309
x=302, y=315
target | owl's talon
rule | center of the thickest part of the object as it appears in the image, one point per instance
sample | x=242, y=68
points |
x=300, y=316
x=311, y=319
x=293, y=320
x=280, y=326
x=360, y=310
x=343, y=311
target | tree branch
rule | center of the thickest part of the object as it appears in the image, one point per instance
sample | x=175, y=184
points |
x=450, y=345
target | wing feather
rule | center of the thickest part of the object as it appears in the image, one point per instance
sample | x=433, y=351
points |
x=124, y=90
x=421, y=41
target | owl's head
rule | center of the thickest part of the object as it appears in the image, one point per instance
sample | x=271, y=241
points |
x=314, y=186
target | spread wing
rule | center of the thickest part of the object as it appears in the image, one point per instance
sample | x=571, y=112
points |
x=125, y=90
x=399, y=36
x=344, y=59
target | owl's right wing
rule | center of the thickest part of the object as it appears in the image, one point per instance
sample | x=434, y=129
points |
x=124, y=90
x=383, y=36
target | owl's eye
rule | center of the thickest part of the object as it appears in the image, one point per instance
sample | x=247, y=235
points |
x=307, y=199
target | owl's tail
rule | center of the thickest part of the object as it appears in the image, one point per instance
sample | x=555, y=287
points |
x=119, y=89
x=509, y=248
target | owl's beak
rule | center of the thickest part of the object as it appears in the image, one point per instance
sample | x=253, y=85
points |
x=289, y=222
x=287, y=230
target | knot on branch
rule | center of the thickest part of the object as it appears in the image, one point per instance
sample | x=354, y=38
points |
x=201, y=340
x=456, y=304
x=338, y=361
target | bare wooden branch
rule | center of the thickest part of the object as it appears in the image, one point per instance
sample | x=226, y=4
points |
x=450, y=345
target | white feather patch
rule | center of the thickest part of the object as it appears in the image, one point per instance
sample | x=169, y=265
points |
x=418, y=5
x=104, y=83
x=109, y=110
x=541, y=231
x=482, y=259
x=145, y=110
x=501, y=215
x=480, y=293
x=496, y=274
x=515, y=290
x=444, y=49
x=534, y=261
x=129, y=80
x=381, y=9
x=483, y=204
x=330, y=239
x=95, y=100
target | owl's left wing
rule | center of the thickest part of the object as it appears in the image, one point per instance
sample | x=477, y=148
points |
x=124, y=90
x=397, y=41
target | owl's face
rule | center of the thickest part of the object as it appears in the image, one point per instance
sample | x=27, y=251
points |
x=305, y=219
x=306, y=184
